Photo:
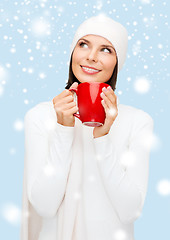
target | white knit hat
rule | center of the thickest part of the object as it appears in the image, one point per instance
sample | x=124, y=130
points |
x=108, y=28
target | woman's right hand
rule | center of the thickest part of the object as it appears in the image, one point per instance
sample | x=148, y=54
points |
x=65, y=107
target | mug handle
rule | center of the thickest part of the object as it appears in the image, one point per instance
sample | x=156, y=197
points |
x=75, y=114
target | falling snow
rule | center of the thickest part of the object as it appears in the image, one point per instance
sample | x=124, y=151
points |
x=145, y=1
x=49, y=170
x=18, y=125
x=1, y=90
x=11, y=213
x=142, y=85
x=136, y=49
x=150, y=141
x=77, y=196
x=120, y=235
x=42, y=75
x=163, y=187
x=128, y=159
x=40, y=27
x=3, y=74
x=12, y=151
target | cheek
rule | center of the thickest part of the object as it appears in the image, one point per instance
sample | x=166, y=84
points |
x=76, y=56
x=74, y=60
x=110, y=65
x=75, y=63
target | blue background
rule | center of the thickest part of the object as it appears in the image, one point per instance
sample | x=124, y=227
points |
x=34, y=68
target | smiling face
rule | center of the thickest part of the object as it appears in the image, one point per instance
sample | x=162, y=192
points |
x=93, y=59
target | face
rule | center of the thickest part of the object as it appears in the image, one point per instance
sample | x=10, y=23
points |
x=93, y=59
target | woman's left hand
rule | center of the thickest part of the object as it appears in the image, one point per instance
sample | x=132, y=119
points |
x=109, y=103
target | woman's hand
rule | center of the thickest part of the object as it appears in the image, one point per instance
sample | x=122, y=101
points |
x=109, y=103
x=65, y=107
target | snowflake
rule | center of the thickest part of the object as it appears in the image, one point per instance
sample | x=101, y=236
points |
x=150, y=141
x=146, y=1
x=31, y=58
x=42, y=75
x=135, y=23
x=30, y=70
x=120, y=234
x=18, y=125
x=12, y=151
x=16, y=18
x=20, y=31
x=128, y=159
x=1, y=90
x=3, y=74
x=112, y=112
x=77, y=196
x=142, y=85
x=40, y=27
x=29, y=50
x=24, y=90
x=99, y=5
x=163, y=187
x=136, y=48
x=160, y=46
x=145, y=19
x=129, y=79
x=24, y=69
x=5, y=37
x=13, y=50
x=26, y=101
x=60, y=9
x=49, y=170
x=11, y=213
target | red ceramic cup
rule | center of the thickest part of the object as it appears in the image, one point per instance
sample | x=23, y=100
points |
x=91, y=111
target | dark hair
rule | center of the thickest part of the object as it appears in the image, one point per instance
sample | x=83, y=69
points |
x=72, y=78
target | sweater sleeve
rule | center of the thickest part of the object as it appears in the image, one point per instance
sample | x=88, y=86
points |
x=125, y=175
x=48, y=158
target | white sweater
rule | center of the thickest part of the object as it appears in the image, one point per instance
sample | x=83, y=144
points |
x=77, y=187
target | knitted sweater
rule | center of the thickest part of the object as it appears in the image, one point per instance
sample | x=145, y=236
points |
x=77, y=187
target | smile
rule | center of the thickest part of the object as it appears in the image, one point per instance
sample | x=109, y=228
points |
x=90, y=70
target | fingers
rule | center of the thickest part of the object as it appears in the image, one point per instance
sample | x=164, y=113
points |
x=64, y=107
x=64, y=100
x=71, y=111
x=65, y=93
x=105, y=105
x=62, y=95
x=110, y=94
x=109, y=102
x=74, y=85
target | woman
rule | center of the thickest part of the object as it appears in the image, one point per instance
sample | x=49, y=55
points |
x=80, y=182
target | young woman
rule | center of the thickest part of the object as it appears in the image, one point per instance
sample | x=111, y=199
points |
x=80, y=182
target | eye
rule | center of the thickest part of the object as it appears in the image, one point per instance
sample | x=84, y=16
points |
x=107, y=50
x=83, y=44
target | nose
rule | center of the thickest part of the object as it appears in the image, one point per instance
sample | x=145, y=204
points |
x=92, y=55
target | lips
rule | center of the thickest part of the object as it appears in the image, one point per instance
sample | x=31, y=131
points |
x=90, y=70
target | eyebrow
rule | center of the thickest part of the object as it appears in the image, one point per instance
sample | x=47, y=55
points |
x=104, y=45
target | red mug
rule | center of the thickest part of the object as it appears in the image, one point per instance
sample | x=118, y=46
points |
x=91, y=110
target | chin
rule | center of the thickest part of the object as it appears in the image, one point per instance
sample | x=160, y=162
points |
x=87, y=79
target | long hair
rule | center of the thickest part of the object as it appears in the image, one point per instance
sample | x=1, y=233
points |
x=72, y=78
